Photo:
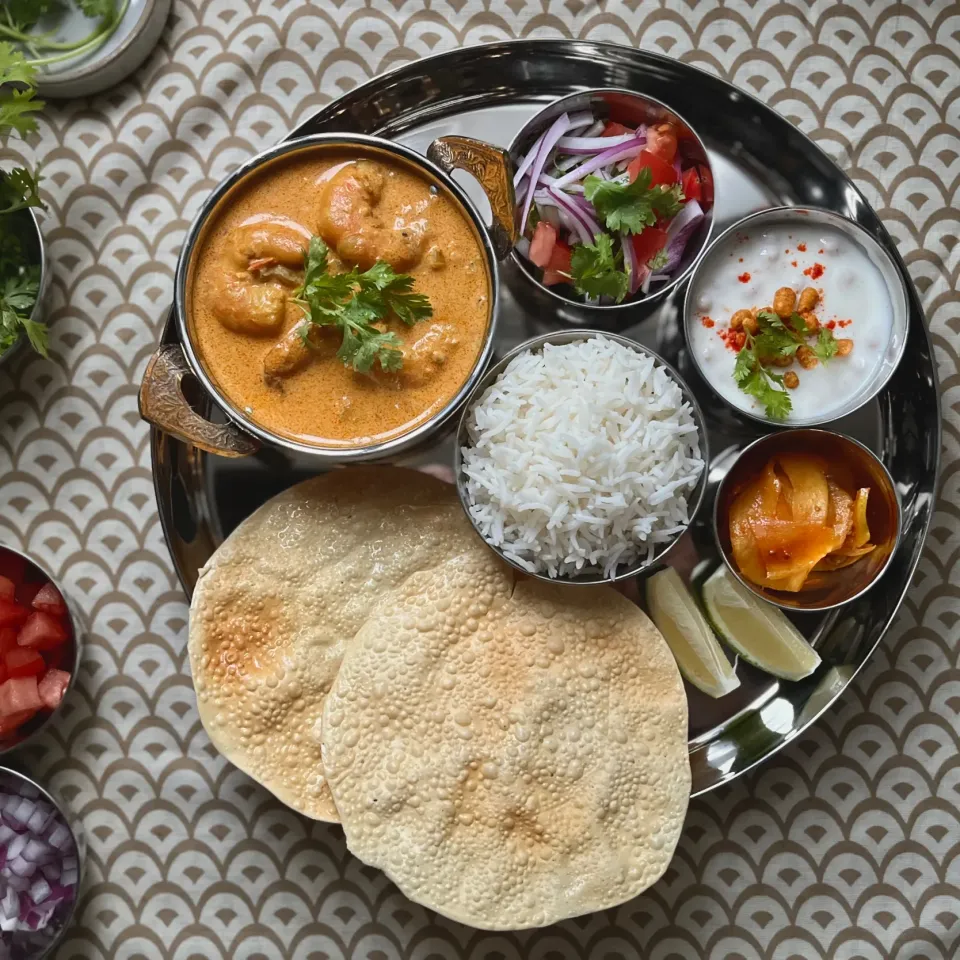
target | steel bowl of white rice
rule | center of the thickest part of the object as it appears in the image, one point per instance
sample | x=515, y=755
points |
x=581, y=457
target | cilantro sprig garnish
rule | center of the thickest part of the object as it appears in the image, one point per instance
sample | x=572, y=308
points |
x=595, y=271
x=775, y=339
x=28, y=23
x=629, y=207
x=355, y=302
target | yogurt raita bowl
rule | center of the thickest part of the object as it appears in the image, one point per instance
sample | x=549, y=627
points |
x=831, y=299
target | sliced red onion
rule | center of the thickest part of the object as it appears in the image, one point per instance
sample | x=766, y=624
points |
x=42, y=817
x=622, y=152
x=592, y=145
x=547, y=201
x=645, y=285
x=595, y=129
x=578, y=222
x=549, y=141
x=527, y=161
x=583, y=118
x=679, y=232
x=630, y=263
x=36, y=851
x=16, y=845
x=21, y=867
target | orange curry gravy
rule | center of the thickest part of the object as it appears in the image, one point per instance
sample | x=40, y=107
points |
x=325, y=403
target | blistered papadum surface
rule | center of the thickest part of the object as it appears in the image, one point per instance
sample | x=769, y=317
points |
x=509, y=753
x=285, y=593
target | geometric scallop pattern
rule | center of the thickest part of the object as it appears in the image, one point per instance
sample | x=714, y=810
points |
x=845, y=845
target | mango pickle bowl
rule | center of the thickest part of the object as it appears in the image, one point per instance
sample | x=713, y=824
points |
x=807, y=519
x=615, y=135
x=549, y=480
x=812, y=284
x=280, y=380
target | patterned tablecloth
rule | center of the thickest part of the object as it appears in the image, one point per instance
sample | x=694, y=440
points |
x=846, y=845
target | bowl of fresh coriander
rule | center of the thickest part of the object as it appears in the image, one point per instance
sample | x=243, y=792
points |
x=23, y=270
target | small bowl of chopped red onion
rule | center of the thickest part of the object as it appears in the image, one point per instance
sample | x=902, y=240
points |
x=41, y=853
x=39, y=649
x=614, y=205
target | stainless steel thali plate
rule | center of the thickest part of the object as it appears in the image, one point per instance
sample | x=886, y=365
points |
x=759, y=160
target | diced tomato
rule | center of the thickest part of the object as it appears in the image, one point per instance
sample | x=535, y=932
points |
x=52, y=687
x=11, y=723
x=23, y=663
x=690, y=183
x=12, y=614
x=661, y=172
x=662, y=140
x=8, y=589
x=48, y=600
x=706, y=184
x=18, y=695
x=27, y=591
x=543, y=242
x=614, y=129
x=12, y=566
x=42, y=632
x=648, y=244
x=8, y=639
x=558, y=269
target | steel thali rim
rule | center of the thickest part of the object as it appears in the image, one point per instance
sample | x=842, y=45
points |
x=411, y=95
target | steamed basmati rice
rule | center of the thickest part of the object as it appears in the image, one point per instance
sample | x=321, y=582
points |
x=581, y=456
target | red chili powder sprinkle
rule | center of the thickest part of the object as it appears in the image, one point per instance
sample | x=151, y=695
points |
x=744, y=278
x=793, y=263
x=802, y=247
x=786, y=250
x=844, y=323
x=831, y=324
x=707, y=322
x=733, y=339
x=815, y=272
x=741, y=259
x=820, y=250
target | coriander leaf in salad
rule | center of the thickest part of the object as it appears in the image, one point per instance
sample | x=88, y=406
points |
x=19, y=189
x=629, y=207
x=608, y=210
x=595, y=272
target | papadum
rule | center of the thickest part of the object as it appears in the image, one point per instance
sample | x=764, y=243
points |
x=276, y=604
x=509, y=752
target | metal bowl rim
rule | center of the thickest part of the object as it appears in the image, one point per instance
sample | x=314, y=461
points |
x=345, y=454
x=570, y=336
x=790, y=211
x=77, y=644
x=796, y=608
x=660, y=292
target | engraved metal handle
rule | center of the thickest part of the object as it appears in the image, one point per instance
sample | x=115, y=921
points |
x=492, y=168
x=163, y=404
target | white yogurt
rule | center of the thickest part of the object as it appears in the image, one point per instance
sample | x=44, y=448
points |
x=746, y=272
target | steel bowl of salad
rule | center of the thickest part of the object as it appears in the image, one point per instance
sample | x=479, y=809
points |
x=614, y=205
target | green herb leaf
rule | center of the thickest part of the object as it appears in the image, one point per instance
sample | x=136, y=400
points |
x=629, y=207
x=98, y=9
x=595, y=271
x=659, y=260
x=19, y=189
x=356, y=301
x=16, y=103
x=18, y=295
x=754, y=379
x=826, y=346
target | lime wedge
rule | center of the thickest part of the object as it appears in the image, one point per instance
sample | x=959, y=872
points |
x=757, y=630
x=677, y=616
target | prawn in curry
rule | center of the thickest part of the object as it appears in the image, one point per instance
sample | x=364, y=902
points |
x=372, y=213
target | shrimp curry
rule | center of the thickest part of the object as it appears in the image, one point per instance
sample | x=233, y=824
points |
x=386, y=327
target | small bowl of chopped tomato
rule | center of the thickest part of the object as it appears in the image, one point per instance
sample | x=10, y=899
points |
x=39, y=648
x=614, y=205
